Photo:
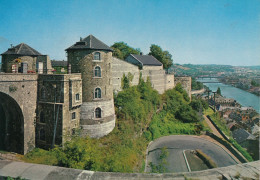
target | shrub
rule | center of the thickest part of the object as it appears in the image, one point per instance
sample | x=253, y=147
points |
x=206, y=159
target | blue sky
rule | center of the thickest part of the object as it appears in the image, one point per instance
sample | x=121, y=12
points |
x=193, y=31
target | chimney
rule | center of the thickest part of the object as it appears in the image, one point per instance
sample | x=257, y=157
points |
x=11, y=45
x=80, y=39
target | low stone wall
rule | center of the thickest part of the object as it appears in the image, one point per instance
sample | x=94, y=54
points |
x=43, y=172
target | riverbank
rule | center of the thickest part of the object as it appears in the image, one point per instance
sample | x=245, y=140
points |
x=241, y=85
x=243, y=97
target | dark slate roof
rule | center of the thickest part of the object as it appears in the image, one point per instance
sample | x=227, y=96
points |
x=147, y=60
x=90, y=42
x=240, y=135
x=22, y=49
x=55, y=63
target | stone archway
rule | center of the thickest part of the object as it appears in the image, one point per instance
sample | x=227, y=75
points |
x=11, y=125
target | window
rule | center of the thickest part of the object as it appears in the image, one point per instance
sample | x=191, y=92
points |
x=73, y=115
x=97, y=93
x=97, y=71
x=43, y=93
x=42, y=134
x=77, y=97
x=97, y=56
x=98, y=112
x=42, y=117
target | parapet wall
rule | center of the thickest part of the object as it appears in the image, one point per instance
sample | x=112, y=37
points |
x=37, y=171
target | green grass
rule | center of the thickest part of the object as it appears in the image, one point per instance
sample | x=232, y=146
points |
x=220, y=122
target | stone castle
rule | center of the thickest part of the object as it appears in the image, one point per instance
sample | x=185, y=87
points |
x=40, y=108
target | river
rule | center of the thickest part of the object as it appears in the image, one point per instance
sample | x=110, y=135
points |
x=242, y=97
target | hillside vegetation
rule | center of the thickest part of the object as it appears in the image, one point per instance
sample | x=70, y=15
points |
x=142, y=115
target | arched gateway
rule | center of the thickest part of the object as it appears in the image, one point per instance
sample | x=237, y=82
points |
x=11, y=125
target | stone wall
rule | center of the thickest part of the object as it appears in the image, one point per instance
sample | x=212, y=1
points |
x=121, y=67
x=145, y=67
x=157, y=78
x=38, y=171
x=56, y=105
x=23, y=89
x=160, y=81
x=98, y=130
x=169, y=81
x=9, y=60
x=185, y=82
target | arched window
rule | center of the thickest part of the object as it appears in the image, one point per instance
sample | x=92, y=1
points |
x=42, y=117
x=97, y=71
x=42, y=134
x=97, y=56
x=98, y=112
x=97, y=93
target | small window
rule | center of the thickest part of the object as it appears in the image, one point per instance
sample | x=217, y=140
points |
x=42, y=134
x=43, y=93
x=97, y=93
x=97, y=56
x=42, y=117
x=98, y=112
x=97, y=71
x=77, y=97
x=73, y=115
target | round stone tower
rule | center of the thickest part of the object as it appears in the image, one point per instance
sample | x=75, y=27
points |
x=93, y=59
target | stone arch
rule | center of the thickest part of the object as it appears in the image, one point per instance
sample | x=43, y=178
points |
x=11, y=125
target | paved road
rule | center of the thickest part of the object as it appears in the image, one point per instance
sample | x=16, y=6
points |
x=177, y=143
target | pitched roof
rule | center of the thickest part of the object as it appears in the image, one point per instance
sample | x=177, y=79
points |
x=147, y=60
x=22, y=49
x=55, y=63
x=240, y=135
x=90, y=42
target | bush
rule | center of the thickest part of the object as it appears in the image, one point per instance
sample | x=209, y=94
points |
x=206, y=159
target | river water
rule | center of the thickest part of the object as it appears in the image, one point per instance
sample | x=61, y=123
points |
x=242, y=97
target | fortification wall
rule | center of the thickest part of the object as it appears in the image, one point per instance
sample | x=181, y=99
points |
x=185, y=82
x=157, y=78
x=119, y=68
x=169, y=81
x=23, y=89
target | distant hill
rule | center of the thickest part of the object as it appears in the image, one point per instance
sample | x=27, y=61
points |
x=195, y=70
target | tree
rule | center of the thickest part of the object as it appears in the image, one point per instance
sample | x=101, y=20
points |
x=218, y=91
x=122, y=50
x=163, y=56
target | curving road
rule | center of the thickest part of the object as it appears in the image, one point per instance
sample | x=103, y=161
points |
x=177, y=143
